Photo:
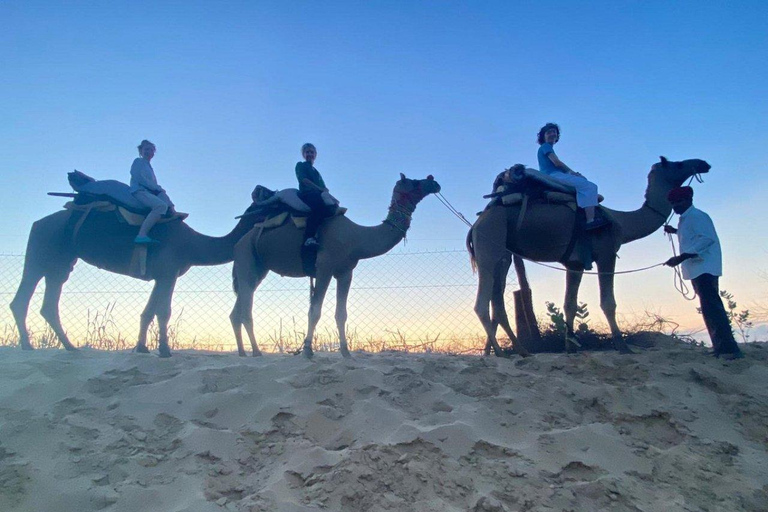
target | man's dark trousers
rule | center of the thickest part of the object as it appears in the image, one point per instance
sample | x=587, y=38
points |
x=715, y=317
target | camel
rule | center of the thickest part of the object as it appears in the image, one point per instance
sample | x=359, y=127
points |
x=342, y=245
x=545, y=236
x=106, y=243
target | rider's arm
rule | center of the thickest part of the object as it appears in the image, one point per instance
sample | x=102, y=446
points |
x=142, y=175
x=559, y=164
x=305, y=175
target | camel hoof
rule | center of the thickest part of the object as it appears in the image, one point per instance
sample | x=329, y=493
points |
x=71, y=348
x=27, y=346
x=141, y=349
x=241, y=353
x=164, y=352
x=256, y=353
x=345, y=353
x=623, y=348
x=308, y=353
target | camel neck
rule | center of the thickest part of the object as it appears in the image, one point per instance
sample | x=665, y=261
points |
x=378, y=240
x=399, y=216
x=209, y=250
x=642, y=222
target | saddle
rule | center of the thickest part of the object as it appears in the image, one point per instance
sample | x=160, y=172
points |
x=277, y=219
x=511, y=186
x=274, y=207
x=109, y=195
x=520, y=185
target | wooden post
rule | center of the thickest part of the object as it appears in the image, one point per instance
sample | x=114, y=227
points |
x=527, y=327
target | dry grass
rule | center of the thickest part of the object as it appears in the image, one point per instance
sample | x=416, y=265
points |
x=103, y=334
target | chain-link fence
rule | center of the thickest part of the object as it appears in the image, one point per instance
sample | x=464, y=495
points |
x=404, y=301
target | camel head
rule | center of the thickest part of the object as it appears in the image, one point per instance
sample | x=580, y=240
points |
x=675, y=173
x=408, y=192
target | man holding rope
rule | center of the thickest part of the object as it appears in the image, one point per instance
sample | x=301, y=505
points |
x=701, y=261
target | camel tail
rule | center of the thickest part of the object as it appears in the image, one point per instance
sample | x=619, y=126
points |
x=471, y=250
x=234, y=280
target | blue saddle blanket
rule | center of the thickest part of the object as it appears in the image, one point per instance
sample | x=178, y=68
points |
x=106, y=190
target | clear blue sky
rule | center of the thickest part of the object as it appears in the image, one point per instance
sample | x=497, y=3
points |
x=230, y=90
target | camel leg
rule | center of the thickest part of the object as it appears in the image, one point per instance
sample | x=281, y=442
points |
x=146, y=318
x=572, y=283
x=482, y=309
x=499, y=286
x=246, y=314
x=20, y=305
x=499, y=309
x=150, y=310
x=50, y=308
x=242, y=315
x=608, y=303
x=343, y=283
x=163, y=311
x=236, y=316
x=315, y=310
x=244, y=283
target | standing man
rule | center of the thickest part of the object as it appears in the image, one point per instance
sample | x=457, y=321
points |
x=702, y=264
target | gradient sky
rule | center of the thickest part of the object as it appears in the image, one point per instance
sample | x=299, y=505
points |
x=230, y=90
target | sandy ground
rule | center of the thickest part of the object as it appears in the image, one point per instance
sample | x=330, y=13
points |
x=667, y=429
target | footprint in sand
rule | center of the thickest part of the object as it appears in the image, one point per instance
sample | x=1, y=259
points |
x=114, y=381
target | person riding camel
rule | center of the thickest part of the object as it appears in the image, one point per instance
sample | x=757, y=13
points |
x=145, y=189
x=554, y=168
x=312, y=190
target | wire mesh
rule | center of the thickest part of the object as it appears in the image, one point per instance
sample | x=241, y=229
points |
x=410, y=301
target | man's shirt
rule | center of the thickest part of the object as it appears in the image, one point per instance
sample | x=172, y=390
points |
x=696, y=235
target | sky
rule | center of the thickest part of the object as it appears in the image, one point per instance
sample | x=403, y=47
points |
x=230, y=90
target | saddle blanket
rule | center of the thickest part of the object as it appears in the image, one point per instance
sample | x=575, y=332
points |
x=129, y=217
x=280, y=218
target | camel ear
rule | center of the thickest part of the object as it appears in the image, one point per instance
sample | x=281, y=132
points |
x=402, y=177
x=663, y=161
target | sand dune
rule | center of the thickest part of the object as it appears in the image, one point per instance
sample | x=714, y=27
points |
x=667, y=429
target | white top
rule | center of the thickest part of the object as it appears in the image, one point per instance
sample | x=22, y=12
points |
x=696, y=235
x=143, y=177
